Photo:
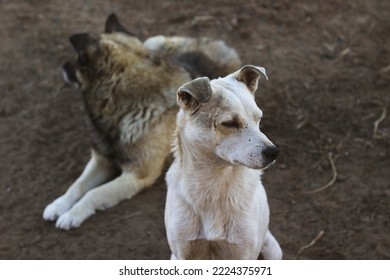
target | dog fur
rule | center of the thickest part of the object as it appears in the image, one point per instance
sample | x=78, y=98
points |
x=216, y=205
x=129, y=90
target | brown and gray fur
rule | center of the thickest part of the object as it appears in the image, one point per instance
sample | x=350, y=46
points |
x=128, y=89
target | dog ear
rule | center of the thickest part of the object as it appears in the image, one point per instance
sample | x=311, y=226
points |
x=192, y=94
x=82, y=41
x=250, y=75
x=85, y=45
x=113, y=25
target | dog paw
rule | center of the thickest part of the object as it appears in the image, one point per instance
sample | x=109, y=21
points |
x=271, y=249
x=73, y=218
x=273, y=254
x=56, y=209
x=67, y=221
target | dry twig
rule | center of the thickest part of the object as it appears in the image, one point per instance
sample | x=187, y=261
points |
x=365, y=142
x=318, y=237
x=332, y=181
x=376, y=135
x=126, y=217
x=385, y=70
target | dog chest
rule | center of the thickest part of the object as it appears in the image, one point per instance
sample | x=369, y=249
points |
x=229, y=226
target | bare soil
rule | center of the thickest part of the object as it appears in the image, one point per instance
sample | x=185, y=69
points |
x=328, y=63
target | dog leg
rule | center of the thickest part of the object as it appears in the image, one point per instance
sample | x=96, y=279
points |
x=97, y=171
x=271, y=249
x=103, y=197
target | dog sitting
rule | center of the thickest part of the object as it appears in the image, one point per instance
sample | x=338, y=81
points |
x=129, y=90
x=216, y=206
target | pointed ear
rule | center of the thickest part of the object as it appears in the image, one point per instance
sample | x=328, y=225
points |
x=113, y=25
x=250, y=75
x=192, y=94
x=82, y=41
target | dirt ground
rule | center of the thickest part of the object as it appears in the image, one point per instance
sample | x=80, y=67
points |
x=326, y=102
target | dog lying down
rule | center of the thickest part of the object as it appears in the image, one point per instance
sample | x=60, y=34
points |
x=129, y=89
x=216, y=205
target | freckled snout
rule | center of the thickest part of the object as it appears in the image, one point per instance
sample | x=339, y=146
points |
x=271, y=153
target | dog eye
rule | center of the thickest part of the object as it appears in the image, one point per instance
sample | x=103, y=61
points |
x=231, y=124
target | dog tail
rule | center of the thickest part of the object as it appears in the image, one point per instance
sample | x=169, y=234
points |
x=199, y=56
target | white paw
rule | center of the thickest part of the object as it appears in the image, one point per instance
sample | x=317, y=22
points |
x=271, y=249
x=56, y=209
x=73, y=218
x=274, y=254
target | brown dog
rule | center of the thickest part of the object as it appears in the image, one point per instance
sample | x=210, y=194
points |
x=129, y=94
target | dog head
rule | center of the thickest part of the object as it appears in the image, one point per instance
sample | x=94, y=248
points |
x=99, y=56
x=221, y=118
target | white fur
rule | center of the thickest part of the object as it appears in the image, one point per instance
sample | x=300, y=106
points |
x=97, y=170
x=215, y=192
x=87, y=195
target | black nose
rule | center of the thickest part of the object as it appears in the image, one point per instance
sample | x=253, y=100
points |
x=271, y=153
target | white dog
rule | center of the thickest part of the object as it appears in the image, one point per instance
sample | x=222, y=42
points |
x=216, y=205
